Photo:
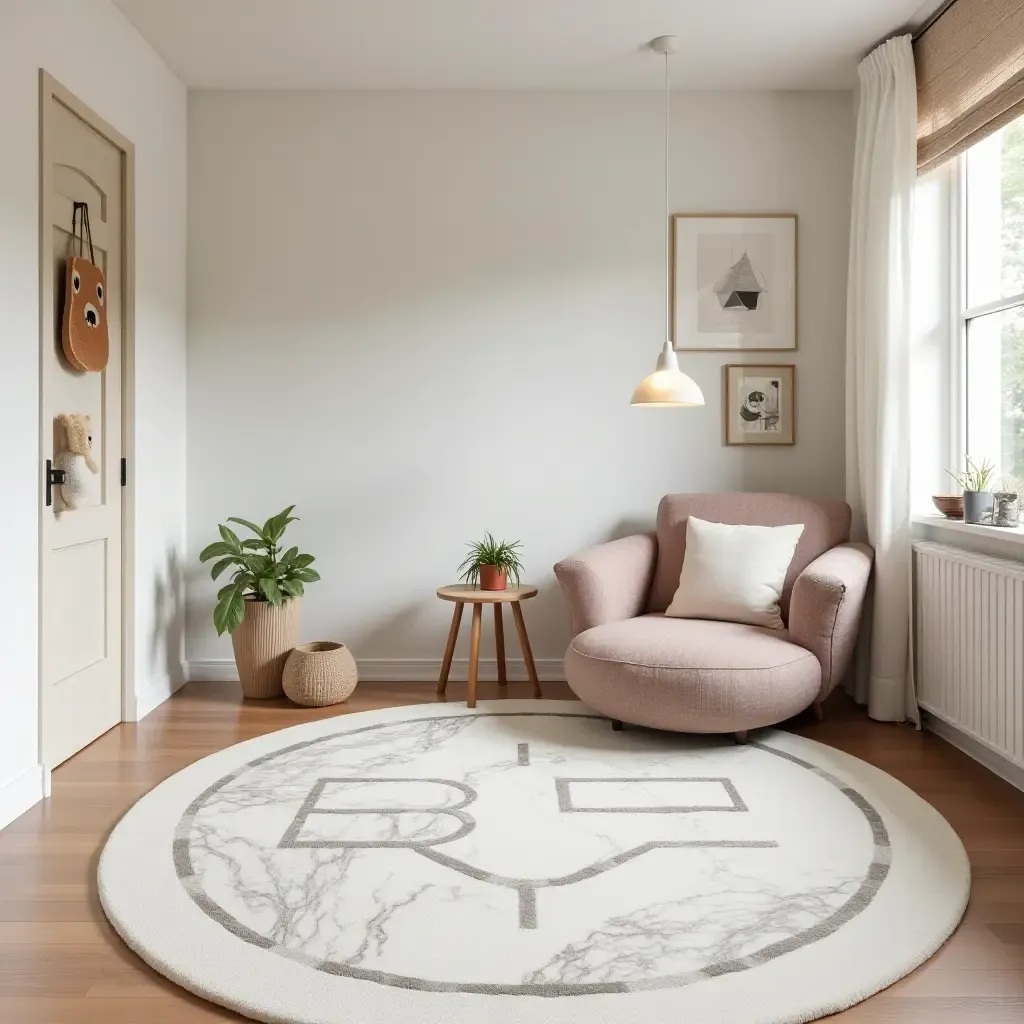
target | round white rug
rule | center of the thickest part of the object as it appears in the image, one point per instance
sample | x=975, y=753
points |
x=525, y=863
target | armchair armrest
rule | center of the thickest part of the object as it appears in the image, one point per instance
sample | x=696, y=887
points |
x=609, y=582
x=825, y=608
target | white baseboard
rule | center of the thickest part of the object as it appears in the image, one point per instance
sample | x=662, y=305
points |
x=981, y=752
x=397, y=670
x=153, y=694
x=23, y=792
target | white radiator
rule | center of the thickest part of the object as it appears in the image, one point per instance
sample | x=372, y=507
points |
x=969, y=654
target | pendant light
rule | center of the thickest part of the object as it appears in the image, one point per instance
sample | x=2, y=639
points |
x=668, y=385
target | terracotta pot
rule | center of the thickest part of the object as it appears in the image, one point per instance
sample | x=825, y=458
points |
x=493, y=578
x=262, y=644
x=320, y=673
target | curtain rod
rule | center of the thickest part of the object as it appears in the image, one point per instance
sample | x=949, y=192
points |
x=932, y=18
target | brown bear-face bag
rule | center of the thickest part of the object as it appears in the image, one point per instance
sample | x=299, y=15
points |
x=84, y=335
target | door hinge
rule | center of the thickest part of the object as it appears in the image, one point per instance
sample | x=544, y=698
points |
x=124, y=472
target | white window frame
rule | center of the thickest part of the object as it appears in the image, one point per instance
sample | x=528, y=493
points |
x=961, y=314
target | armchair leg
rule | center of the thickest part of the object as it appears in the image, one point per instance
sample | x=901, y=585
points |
x=616, y=725
x=741, y=736
x=819, y=710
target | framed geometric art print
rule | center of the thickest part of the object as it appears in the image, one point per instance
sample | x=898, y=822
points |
x=734, y=282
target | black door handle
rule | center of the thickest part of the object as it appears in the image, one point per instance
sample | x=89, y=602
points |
x=53, y=477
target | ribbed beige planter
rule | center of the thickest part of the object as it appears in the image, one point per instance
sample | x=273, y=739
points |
x=319, y=674
x=262, y=644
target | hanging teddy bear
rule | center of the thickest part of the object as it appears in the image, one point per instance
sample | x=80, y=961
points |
x=76, y=459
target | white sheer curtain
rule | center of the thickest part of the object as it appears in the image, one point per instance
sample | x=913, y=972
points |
x=878, y=370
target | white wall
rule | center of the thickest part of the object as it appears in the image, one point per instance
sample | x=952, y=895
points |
x=92, y=50
x=421, y=316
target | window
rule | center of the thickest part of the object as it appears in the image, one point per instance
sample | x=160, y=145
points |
x=993, y=306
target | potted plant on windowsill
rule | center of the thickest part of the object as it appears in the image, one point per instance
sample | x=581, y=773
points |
x=1006, y=502
x=490, y=564
x=260, y=606
x=976, y=481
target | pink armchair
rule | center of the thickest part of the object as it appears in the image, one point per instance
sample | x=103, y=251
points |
x=632, y=663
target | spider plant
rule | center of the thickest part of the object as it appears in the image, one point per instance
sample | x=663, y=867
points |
x=975, y=476
x=260, y=571
x=503, y=555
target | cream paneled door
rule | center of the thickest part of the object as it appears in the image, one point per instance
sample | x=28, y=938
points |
x=81, y=649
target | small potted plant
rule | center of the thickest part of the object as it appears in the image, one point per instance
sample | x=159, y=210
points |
x=490, y=564
x=976, y=481
x=259, y=607
x=1006, y=502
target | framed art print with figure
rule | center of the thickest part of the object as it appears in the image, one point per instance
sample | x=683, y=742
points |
x=760, y=404
x=734, y=282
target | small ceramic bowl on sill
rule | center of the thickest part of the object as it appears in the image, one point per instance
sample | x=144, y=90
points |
x=950, y=505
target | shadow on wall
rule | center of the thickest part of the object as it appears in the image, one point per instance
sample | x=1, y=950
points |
x=423, y=622
x=783, y=469
x=166, y=641
x=629, y=527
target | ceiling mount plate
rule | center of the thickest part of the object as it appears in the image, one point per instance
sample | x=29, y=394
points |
x=665, y=44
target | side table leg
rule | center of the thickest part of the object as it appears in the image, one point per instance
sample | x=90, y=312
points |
x=449, y=651
x=499, y=644
x=474, y=653
x=524, y=643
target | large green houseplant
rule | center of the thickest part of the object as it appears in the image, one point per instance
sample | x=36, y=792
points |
x=260, y=604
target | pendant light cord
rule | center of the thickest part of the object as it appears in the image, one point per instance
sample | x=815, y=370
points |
x=668, y=218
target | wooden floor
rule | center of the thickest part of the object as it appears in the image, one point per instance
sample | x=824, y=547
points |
x=61, y=963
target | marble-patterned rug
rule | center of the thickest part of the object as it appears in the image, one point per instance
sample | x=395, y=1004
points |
x=523, y=862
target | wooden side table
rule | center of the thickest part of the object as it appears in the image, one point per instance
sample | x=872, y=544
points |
x=463, y=594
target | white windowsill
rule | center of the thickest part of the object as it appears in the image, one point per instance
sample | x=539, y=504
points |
x=1012, y=536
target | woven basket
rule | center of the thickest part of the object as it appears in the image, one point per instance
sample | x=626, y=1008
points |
x=319, y=673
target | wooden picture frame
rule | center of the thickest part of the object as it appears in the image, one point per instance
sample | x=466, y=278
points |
x=734, y=282
x=759, y=404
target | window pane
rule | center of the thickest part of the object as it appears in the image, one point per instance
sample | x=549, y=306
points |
x=995, y=390
x=995, y=216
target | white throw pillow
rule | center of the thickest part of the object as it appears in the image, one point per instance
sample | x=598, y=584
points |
x=734, y=573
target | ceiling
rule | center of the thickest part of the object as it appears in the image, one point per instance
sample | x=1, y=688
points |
x=516, y=44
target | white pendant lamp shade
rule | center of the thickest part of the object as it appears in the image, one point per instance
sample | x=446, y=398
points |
x=668, y=385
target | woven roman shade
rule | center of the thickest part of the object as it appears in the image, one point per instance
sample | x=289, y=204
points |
x=970, y=76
